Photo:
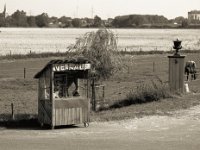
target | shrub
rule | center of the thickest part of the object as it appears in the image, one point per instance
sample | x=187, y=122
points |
x=98, y=47
x=145, y=93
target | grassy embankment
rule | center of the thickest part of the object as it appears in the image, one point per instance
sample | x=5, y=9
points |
x=138, y=71
x=60, y=54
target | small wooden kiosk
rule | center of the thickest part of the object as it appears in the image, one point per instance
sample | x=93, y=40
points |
x=63, y=92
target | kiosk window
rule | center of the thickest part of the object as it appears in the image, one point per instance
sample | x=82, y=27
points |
x=65, y=86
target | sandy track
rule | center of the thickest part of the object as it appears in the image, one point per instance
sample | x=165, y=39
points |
x=179, y=131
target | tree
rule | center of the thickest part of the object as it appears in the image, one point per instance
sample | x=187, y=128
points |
x=179, y=19
x=19, y=19
x=98, y=47
x=66, y=21
x=31, y=21
x=97, y=21
x=76, y=22
x=42, y=20
x=138, y=20
x=2, y=20
x=121, y=21
x=54, y=20
x=185, y=23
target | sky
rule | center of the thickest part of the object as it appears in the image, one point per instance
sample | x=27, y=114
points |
x=103, y=8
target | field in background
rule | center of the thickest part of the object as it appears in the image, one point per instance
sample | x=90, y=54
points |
x=37, y=40
x=137, y=69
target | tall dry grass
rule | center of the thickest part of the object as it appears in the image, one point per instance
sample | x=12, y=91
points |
x=145, y=92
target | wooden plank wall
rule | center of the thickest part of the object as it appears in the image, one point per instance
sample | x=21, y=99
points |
x=69, y=116
x=44, y=112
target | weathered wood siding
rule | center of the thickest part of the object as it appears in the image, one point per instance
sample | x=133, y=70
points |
x=70, y=116
x=44, y=112
x=73, y=111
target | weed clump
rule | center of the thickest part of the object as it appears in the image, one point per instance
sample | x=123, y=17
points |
x=145, y=92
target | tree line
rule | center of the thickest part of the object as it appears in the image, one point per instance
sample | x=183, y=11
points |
x=20, y=19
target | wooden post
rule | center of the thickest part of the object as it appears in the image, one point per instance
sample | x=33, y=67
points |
x=12, y=111
x=51, y=97
x=24, y=73
x=153, y=66
x=103, y=91
x=176, y=73
x=93, y=96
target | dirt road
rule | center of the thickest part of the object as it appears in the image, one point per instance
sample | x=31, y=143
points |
x=181, y=131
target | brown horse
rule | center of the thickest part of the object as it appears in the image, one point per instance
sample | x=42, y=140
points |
x=190, y=68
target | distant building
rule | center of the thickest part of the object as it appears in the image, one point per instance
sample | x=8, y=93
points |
x=3, y=14
x=108, y=22
x=194, y=15
x=3, y=17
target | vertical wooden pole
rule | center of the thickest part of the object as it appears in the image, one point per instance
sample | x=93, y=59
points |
x=87, y=85
x=153, y=66
x=24, y=73
x=89, y=103
x=51, y=74
x=103, y=92
x=93, y=95
x=12, y=111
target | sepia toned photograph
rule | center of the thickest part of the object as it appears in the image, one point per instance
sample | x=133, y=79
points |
x=99, y=75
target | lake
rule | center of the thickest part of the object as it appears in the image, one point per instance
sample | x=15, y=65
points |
x=24, y=40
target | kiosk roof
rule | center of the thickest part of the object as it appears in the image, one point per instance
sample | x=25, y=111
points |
x=79, y=60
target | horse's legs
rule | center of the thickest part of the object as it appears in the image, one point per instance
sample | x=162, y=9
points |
x=187, y=73
x=67, y=91
x=187, y=76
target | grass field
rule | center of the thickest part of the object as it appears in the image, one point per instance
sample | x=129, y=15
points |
x=137, y=69
x=37, y=40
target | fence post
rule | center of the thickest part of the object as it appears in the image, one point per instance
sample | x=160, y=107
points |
x=153, y=66
x=24, y=73
x=103, y=93
x=93, y=95
x=12, y=111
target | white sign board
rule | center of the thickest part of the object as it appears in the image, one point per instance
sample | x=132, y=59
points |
x=69, y=66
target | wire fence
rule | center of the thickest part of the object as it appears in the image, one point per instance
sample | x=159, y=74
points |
x=112, y=90
x=23, y=73
x=155, y=69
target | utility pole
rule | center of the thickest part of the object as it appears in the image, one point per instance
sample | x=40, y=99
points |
x=4, y=11
x=77, y=8
x=92, y=12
